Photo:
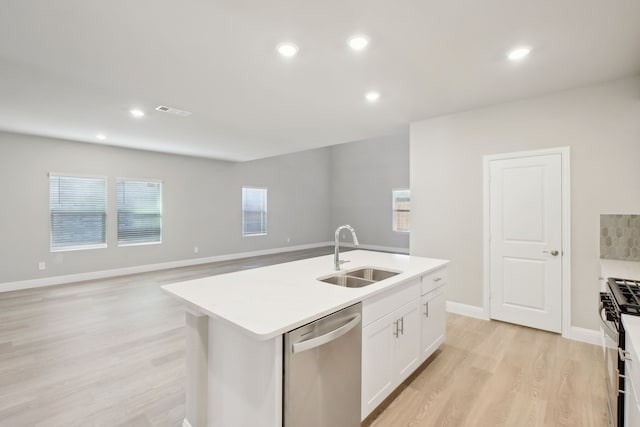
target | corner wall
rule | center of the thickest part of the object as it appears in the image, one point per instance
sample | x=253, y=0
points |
x=600, y=123
x=363, y=174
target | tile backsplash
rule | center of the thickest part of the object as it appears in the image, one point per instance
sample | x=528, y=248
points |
x=620, y=237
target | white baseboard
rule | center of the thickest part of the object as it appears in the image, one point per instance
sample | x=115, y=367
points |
x=590, y=336
x=575, y=333
x=375, y=248
x=79, y=277
x=466, y=310
x=186, y=423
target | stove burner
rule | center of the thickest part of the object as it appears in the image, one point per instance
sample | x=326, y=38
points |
x=626, y=295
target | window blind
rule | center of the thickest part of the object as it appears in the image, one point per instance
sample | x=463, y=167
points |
x=139, y=212
x=401, y=210
x=254, y=211
x=78, y=208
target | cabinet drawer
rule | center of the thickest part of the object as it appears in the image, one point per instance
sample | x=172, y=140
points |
x=380, y=305
x=434, y=280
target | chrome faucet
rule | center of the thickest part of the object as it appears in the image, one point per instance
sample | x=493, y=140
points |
x=336, y=254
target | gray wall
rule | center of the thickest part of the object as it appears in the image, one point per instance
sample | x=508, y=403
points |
x=202, y=204
x=600, y=123
x=201, y=201
x=363, y=174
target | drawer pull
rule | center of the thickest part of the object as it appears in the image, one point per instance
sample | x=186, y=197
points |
x=624, y=355
x=437, y=279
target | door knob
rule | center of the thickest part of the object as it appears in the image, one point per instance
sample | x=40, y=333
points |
x=553, y=252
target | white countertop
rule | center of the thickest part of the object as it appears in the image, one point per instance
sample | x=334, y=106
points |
x=269, y=301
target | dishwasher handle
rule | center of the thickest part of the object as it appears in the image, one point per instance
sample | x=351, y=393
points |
x=328, y=337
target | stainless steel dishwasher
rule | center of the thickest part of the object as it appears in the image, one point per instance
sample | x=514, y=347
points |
x=322, y=377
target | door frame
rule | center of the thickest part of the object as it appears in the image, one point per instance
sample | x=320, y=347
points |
x=565, y=155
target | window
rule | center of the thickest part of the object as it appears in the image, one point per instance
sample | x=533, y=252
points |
x=401, y=210
x=139, y=212
x=78, y=208
x=254, y=211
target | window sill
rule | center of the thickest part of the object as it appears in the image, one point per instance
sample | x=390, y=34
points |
x=124, y=245
x=79, y=248
x=254, y=235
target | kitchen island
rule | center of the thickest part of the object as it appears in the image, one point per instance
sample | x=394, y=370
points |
x=235, y=324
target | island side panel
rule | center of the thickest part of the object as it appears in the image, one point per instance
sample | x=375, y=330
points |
x=245, y=378
x=196, y=390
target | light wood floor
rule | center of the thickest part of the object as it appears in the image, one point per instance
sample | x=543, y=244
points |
x=111, y=353
x=490, y=373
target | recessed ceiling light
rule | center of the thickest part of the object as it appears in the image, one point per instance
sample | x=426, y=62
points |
x=101, y=136
x=287, y=50
x=518, y=53
x=372, y=96
x=358, y=42
x=137, y=113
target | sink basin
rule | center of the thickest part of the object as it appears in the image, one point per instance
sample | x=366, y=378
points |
x=359, y=277
x=374, y=274
x=347, y=281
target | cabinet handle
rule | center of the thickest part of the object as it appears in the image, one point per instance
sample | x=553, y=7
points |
x=426, y=309
x=401, y=323
x=395, y=325
x=437, y=279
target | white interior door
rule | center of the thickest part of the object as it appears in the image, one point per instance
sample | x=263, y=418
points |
x=525, y=241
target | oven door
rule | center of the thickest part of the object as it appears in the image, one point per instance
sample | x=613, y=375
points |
x=611, y=341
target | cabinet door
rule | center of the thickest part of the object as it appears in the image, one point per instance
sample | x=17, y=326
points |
x=433, y=320
x=378, y=341
x=407, y=346
x=631, y=406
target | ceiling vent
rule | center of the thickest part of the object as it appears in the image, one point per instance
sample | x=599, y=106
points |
x=174, y=111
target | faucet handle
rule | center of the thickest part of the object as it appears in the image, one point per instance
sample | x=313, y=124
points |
x=342, y=261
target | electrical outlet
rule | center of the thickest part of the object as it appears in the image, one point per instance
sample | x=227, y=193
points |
x=196, y=249
x=42, y=266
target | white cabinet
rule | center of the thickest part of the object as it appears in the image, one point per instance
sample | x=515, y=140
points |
x=407, y=345
x=631, y=407
x=390, y=353
x=433, y=322
x=632, y=384
x=377, y=363
x=401, y=328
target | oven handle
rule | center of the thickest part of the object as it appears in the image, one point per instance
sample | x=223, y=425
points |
x=605, y=324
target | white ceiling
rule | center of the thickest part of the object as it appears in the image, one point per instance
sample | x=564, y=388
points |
x=72, y=69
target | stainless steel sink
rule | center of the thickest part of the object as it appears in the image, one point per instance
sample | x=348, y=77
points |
x=374, y=274
x=347, y=281
x=359, y=277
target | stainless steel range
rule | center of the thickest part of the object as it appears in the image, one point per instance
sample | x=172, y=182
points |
x=622, y=297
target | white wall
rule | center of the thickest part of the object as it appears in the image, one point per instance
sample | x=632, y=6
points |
x=363, y=174
x=600, y=123
x=201, y=204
